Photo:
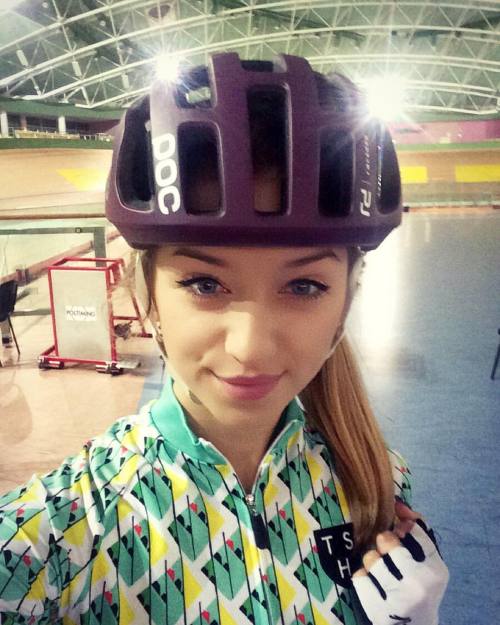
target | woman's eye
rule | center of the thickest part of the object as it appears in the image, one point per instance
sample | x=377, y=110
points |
x=305, y=289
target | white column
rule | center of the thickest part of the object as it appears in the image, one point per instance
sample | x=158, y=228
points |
x=61, y=124
x=23, y=121
x=4, y=124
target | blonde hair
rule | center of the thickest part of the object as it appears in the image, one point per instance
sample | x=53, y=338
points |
x=337, y=406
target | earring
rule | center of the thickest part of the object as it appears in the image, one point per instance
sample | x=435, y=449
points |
x=159, y=339
x=194, y=398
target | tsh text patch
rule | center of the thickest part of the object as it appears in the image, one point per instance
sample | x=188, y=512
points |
x=336, y=553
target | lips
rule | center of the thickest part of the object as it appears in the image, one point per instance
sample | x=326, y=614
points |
x=249, y=391
x=260, y=380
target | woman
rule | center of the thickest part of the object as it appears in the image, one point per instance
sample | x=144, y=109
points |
x=253, y=191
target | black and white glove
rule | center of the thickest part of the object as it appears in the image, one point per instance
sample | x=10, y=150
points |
x=406, y=580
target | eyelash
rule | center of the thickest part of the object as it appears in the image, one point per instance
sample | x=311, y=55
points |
x=323, y=288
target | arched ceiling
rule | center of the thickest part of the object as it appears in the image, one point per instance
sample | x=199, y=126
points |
x=102, y=53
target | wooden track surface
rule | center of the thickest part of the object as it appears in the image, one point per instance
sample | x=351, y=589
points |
x=40, y=178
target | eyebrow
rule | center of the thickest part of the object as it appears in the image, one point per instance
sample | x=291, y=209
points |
x=212, y=260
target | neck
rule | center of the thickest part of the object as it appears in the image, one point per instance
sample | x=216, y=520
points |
x=242, y=444
x=244, y=447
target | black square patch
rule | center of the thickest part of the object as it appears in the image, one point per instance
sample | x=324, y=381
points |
x=336, y=553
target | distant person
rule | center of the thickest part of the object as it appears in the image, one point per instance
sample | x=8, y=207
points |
x=258, y=489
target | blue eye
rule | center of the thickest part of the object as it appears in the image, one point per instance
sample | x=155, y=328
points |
x=200, y=281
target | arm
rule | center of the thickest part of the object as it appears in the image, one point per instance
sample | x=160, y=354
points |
x=29, y=584
x=48, y=528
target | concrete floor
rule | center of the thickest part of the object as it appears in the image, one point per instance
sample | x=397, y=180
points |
x=424, y=326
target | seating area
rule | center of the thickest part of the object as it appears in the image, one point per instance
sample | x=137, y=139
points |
x=43, y=134
x=18, y=133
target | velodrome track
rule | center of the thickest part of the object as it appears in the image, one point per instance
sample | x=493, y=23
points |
x=43, y=178
x=38, y=186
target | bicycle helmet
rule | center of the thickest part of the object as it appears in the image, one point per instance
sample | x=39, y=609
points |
x=340, y=180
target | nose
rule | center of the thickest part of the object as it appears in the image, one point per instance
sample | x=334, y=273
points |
x=252, y=338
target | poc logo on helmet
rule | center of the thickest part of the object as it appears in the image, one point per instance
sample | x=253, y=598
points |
x=166, y=173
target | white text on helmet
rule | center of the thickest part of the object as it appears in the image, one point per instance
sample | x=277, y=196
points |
x=366, y=201
x=166, y=173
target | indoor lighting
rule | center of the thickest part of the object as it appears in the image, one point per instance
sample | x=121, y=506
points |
x=385, y=96
x=167, y=67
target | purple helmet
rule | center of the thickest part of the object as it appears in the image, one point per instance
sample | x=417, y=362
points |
x=340, y=181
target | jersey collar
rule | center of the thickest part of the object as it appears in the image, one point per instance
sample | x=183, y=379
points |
x=169, y=419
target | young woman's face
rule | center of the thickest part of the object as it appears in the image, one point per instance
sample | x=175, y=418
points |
x=247, y=312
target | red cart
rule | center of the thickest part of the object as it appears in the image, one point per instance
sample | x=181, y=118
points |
x=84, y=325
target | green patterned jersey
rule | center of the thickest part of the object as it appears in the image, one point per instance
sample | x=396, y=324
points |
x=150, y=525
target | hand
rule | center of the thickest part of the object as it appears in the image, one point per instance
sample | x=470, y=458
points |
x=403, y=580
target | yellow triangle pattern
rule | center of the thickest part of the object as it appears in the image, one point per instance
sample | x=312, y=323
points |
x=191, y=587
x=293, y=439
x=215, y=520
x=39, y=587
x=85, y=484
x=314, y=468
x=158, y=545
x=303, y=529
x=30, y=529
x=36, y=492
x=250, y=551
x=70, y=591
x=100, y=566
x=268, y=459
x=76, y=534
x=179, y=481
x=225, y=617
x=270, y=494
x=224, y=469
x=82, y=487
x=342, y=500
x=317, y=617
x=127, y=615
x=287, y=593
x=132, y=441
x=124, y=509
x=85, y=178
x=128, y=471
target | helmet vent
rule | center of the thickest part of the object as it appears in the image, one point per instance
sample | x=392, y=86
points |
x=193, y=89
x=199, y=169
x=257, y=66
x=390, y=181
x=336, y=173
x=267, y=109
x=135, y=170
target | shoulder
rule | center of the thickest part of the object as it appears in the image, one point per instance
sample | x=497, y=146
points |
x=117, y=454
x=401, y=476
x=64, y=512
x=101, y=460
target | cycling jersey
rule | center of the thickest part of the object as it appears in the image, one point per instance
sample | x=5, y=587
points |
x=149, y=524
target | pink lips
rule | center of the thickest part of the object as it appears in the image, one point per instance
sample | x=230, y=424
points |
x=259, y=379
x=248, y=388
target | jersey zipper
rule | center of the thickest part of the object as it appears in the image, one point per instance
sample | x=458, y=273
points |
x=258, y=525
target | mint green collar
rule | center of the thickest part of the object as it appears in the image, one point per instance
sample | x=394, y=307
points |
x=168, y=417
